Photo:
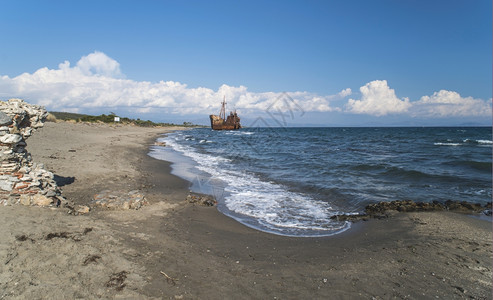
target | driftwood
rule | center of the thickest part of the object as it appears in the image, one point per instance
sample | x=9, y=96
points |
x=169, y=279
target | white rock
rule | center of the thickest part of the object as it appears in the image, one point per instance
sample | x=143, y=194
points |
x=11, y=138
x=6, y=185
x=27, y=132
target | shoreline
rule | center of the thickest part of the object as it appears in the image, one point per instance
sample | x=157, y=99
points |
x=205, y=254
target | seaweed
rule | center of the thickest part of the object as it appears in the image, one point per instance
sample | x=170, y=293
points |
x=64, y=235
x=23, y=238
x=117, y=280
x=90, y=259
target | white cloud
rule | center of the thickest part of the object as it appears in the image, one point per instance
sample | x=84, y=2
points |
x=378, y=99
x=451, y=104
x=345, y=93
x=96, y=81
x=97, y=63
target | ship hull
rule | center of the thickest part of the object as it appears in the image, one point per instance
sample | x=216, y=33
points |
x=217, y=123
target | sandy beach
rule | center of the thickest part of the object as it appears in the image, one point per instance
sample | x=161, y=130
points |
x=172, y=249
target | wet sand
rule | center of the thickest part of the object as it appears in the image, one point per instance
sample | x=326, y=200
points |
x=172, y=249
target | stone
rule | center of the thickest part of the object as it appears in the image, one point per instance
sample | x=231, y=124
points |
x=25, y=200
x=5, y=119
x=81, y=209
x=50, y=193
x=126, y=205
x=41, y=200
x=11, y=138
x=6, y=185
x=205, y=200
x=14, y=130
x=4, y=130
x=27, y=132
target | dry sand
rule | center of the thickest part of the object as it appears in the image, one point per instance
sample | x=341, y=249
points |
x=177, y=250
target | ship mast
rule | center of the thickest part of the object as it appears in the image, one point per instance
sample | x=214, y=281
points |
x=222, y=114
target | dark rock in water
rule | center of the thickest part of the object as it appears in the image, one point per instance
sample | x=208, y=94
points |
x=382, y=210
x=464, y=206
x=402, y=206
x=352, y=217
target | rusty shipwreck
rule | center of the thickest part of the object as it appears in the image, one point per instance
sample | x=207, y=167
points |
x=220, y=122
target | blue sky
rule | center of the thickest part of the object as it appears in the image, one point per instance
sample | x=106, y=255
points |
x=344, y=63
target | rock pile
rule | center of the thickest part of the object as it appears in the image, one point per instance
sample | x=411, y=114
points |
x=201, y=199
x=119, y=200
x=21, y=180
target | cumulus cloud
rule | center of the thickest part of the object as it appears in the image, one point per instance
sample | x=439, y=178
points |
x=97, y=81
x=345, y=92
x=98, y=63
x=378, y=99
x=451, y=104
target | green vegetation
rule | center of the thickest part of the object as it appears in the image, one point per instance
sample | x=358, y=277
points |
x=65, y=116
x=110, y=118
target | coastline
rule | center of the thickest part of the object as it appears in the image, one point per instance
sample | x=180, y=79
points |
x=205, y=254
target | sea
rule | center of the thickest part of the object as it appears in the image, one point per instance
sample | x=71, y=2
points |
x=291, y=181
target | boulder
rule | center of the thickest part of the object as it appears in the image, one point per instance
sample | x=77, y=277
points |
x=41, y=200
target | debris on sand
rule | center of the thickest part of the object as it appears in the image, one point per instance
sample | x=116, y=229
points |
x=117, y=280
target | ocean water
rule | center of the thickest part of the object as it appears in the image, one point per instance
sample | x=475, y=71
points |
x=290, y=181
